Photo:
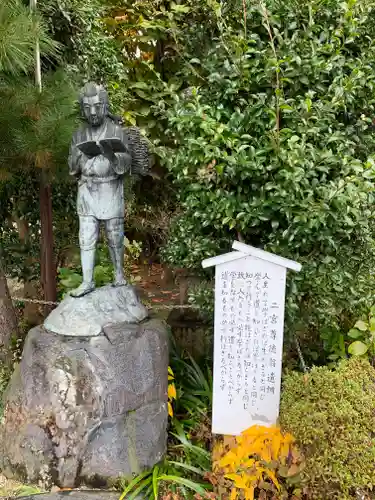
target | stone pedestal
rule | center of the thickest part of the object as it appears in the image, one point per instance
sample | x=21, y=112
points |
x=87, y=409
x=78, y=495
x=87, y=316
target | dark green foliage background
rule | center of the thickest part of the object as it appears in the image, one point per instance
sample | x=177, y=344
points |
x=260, y=115
x=276, y=144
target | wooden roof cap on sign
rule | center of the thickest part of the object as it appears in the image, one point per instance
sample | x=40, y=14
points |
x=244, y=250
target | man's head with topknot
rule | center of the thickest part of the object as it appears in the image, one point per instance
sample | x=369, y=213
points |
x=94, y=102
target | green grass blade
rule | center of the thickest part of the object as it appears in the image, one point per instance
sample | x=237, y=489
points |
x=181, y=436
x=201, y=378
x=155, y=481
x=192, y=447
x=195, y=401
x=185, y=482
x=134, y=483
x=195, y=457
x=143, y=485
x=188, y=467
x=149, y=493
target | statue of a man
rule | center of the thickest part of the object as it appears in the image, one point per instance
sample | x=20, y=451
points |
x=99, y=157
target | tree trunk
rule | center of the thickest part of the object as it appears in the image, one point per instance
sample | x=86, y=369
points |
x=8, y=318
x=31, y=289
x=47, y=261
x=159, y=58
x=22, y=228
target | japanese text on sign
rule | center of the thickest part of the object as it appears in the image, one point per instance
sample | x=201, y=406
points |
x=249, y=317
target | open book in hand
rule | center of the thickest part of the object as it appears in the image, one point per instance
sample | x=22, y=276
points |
x=92, y=148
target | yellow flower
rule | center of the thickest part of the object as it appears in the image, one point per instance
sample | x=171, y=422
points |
x=246, y=460
x=249, y=493
x=170, y=409
x=233, y=494
x=172, y=394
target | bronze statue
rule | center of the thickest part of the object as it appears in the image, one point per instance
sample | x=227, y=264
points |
x=101, y=153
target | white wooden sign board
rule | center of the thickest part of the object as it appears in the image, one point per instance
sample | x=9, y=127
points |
x=248, y=338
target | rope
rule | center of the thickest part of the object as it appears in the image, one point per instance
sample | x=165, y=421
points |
x=161, y=307
x=34, y=301
x=49, y=303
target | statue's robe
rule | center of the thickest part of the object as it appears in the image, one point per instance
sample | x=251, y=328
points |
x=100, y=186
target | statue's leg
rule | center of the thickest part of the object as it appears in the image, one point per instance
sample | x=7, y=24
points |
x=88, y=237
x=115, y=235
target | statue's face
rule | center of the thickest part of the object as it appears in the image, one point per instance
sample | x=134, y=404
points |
x=94, y=110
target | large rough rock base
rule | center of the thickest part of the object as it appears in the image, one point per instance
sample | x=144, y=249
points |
x=79, y=495
x=76, y=495
x=87, y=409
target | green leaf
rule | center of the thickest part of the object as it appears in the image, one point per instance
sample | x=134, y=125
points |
x=155, y=482
x=188, y=467
x=333, y=357
x=135, y=482
x=139, y=85
x=357, y=348
x=361, y=325
x=180, y=8
x=294, y=139
x=141, y=487
x=354, y=333
x=198, y=488
x=23, y=491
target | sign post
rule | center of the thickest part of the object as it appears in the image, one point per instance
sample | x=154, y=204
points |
x=248, y=338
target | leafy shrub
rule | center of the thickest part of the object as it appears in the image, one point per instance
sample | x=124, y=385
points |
x=276, y=144
x=332, y=416
x=357, y=341
x=363, y=337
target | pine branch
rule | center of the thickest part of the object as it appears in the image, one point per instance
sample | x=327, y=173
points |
x=36, y=128
x=18, y=34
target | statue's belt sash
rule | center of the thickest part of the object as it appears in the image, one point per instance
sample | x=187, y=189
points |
x=89, y=180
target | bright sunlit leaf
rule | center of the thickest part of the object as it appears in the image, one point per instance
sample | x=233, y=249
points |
x=172, y=394
x=170, y=409
x=233, y=495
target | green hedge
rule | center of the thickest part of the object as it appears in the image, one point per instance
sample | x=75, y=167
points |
x=332, y=416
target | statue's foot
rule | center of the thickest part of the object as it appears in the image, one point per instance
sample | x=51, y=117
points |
x=119, y=281
x=83, y=289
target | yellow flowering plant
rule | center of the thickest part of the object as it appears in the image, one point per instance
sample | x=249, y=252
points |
x=262, y=461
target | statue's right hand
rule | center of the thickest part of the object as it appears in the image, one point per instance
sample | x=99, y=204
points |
x=107, y=151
